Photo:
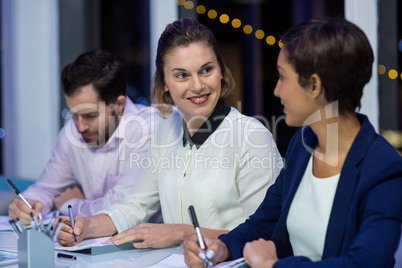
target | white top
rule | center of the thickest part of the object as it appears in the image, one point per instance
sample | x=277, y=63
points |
x=309, y=213
x=225, y=179
x=98, y=171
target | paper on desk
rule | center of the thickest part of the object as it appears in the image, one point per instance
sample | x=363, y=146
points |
x=84, y=244
x=238, y=263
x=177, y=261
x=8, y=241
x=173, y=260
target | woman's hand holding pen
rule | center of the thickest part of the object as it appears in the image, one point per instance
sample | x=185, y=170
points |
x=19, y=209
x=66, y=237
x=217, y=251
x=260, y=253
x=84, y=227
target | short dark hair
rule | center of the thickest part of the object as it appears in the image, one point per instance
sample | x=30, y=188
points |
x=184, y=32
x=99, y=68
x=337, y=51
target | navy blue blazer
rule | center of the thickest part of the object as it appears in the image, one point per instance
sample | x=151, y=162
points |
x=364, y=227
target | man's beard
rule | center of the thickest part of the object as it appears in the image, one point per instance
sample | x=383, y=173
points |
x=103, y=136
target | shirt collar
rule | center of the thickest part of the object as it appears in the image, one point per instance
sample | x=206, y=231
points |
x=209, y=126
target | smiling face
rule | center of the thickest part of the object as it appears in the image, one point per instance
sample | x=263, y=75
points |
x=93, y=119
x=193, y=79
x=298, y=102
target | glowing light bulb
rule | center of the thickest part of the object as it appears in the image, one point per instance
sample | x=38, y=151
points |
x=259, y=34
x=189, y=5
x=381, y=69
x=393, y=74
x=270, y=40
x=224, y=18
x=212, y=14
x=201, y=9
x=247, y=29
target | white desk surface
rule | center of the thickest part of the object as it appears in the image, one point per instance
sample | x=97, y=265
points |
x=126, y=258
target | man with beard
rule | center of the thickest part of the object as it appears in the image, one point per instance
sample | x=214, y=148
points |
x=90, y=168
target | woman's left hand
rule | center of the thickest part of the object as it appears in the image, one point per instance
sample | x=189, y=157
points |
x=151, y=235
x=260, y=253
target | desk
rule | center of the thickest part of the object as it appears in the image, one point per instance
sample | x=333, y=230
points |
x=126, y=258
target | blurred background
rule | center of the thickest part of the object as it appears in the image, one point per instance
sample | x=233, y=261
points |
x=39, y=37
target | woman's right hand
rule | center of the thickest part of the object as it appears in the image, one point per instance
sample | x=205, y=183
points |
x=217, y=251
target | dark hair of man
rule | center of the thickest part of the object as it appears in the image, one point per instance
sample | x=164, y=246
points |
x=99, y=68
x=338, y=52
x=184, y=32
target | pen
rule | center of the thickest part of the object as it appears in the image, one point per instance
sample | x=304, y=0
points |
x=17, y=192
x=198, y=232
x=66, y=256
x=72, y=221
x=56, y=230
x=15, y=227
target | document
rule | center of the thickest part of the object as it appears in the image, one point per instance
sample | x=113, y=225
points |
x=84, y=244
x=7, y=258
x=95, y=246
x=173, y=260
x=177, y=261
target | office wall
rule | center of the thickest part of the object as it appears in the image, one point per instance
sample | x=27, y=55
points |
x=364, y=13
x=30, y=74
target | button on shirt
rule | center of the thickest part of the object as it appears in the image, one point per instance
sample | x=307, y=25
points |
x=224, y=171
x=104, y=173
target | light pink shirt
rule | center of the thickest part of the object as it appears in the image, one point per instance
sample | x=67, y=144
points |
x=104, y=174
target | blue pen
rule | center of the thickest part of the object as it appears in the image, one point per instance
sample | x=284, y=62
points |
x=72, y=221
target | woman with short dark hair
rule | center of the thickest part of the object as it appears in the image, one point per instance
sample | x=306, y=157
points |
x=337, y=202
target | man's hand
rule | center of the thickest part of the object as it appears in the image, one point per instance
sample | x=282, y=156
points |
x=18, y=209
x=69, y=193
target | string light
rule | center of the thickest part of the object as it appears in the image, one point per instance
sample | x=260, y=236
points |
x=270, y=40
x=247, y=29
x=201, y=9
x=393, y=74
x=381, y=69
x=189, y=5
x=212, y=14
x=260, y=34
x=224, y=18
x=236, y=23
